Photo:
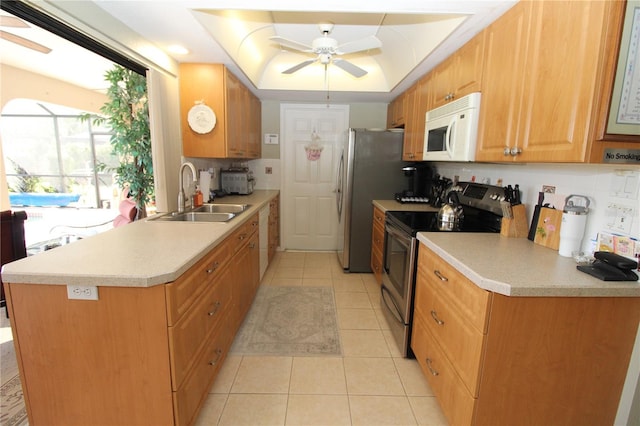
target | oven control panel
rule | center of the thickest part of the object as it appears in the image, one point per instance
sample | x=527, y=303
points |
x=480, y=196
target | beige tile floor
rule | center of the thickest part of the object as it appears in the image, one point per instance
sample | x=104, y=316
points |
x=371, y=384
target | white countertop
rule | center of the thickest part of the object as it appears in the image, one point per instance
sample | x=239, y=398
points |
x=141, y=254
x=518, y=267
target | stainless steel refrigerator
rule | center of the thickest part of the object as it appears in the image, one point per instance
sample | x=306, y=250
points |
x=370, y=168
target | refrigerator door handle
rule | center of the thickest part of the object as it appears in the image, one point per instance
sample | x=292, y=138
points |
x=338, y=189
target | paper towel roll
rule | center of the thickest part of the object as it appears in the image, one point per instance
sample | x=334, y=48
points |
x=205, y=183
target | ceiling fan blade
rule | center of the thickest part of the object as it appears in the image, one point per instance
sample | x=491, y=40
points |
x=24, y=42
x=12, y=21
x=352, y=69
x=291, y=44
x=371, y=42
x=299, y=66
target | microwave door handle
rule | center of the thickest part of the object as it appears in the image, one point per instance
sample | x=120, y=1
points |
x=450, y=129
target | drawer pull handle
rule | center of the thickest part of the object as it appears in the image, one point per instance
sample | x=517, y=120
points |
x=431, y=370
x=219, y=355
x=213, y=267
x=242, y=237
x=215, y=309
x=252, y=245
x=434, y=315
x=439, y=275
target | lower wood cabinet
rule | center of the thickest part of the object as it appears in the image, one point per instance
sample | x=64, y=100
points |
x=377, y=243
x=498, y=360
x=136, y=356
x=274, y=227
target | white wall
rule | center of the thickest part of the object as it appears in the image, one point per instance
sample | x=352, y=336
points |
x=594, y=181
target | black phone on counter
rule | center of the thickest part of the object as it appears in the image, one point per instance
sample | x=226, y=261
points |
x=611, y=267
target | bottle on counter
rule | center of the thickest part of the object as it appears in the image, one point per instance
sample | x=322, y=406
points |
x=198, y=198
x=574, y=219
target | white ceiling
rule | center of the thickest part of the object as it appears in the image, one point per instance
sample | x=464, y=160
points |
x=415, y=36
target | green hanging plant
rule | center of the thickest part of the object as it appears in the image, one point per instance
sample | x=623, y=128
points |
x=127, y=114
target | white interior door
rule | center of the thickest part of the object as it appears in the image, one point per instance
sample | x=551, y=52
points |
x=309, y=217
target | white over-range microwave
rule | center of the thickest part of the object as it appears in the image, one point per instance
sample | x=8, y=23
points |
x=451, y=130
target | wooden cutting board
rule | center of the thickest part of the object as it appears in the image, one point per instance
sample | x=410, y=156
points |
x=548, y=228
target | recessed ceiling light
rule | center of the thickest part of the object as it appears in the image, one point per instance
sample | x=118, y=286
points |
x=177, y=49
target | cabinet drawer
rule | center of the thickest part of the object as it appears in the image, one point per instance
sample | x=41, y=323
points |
x=185, y=290
x=461, y=342
x=188, y=398
x=456, y=402
x=194, y=328
x=471, y=301
x=240, y=236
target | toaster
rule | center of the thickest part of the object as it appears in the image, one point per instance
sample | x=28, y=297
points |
x=234, y=181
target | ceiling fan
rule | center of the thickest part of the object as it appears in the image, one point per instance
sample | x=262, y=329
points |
x=326, y=48
x=13, y=22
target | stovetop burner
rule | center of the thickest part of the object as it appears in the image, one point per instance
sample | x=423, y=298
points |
x=481, y=205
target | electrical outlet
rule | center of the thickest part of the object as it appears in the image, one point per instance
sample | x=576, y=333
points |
x=82, y=292
x=268, y=170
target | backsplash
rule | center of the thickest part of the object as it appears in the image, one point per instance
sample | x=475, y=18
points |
x=612, y=190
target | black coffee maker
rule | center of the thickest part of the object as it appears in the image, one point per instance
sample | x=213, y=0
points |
x=419, y=180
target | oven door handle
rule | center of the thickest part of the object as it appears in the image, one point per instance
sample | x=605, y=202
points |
x=393, y=309
x=399, y=235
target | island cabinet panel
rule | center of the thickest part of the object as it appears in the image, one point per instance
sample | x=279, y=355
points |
x=559, y=361
x=85, y=362
x=496, y=360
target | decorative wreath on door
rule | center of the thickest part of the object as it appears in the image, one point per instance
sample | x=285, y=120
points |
x=314, y=149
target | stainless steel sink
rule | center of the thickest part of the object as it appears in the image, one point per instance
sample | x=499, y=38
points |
x=205, y=213
x=222, y=208
x=195, y=217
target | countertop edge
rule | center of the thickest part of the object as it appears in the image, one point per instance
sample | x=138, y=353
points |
x=580, y=284
x=16, y=273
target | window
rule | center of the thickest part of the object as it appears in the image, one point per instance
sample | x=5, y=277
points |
x=49, y=149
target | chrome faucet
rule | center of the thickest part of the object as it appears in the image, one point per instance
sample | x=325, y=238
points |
x=181, y=196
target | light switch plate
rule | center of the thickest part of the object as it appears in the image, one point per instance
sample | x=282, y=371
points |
x=271, y=139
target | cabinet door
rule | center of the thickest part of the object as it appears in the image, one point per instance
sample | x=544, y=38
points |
x=236, y=144
x=503, y=78
x=441, y=86
x=467, y=67
x=560, y=83
x=410, y=124
x=255, y=127
x=203, y=83
x=395, y=112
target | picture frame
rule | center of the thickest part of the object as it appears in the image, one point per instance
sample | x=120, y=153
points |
x=624, y=110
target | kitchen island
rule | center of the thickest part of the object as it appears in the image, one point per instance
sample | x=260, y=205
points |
x=170, y=298
x=509, y=332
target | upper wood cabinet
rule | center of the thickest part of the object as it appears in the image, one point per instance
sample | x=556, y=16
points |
x=396, y=112
x=460, y=74
x=538, y=97
x=238, y=113
x=410, y=136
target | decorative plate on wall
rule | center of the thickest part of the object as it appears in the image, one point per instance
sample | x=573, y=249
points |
x=201, y=119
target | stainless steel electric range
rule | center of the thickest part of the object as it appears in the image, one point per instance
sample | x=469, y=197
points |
x=482, y=213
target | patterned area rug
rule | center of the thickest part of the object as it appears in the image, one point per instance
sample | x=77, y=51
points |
x=291, y=321
x=12, y=409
